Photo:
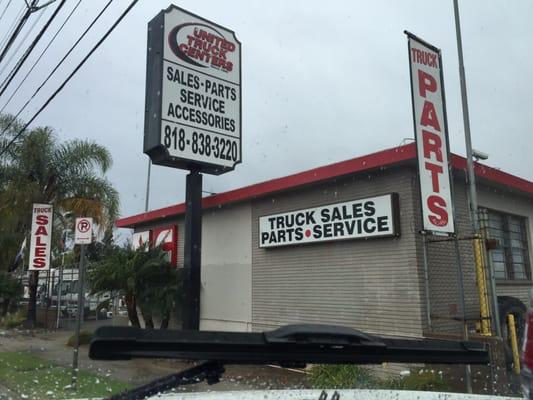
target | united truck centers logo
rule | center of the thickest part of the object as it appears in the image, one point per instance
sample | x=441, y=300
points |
x=202, y=46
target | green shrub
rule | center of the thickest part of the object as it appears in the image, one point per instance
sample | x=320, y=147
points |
x=85, y=338
x=13, y=320
x=419, y=379
x=341, y=377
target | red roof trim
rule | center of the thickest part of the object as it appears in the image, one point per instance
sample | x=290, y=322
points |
x=376, y=160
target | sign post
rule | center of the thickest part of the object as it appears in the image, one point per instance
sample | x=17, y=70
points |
x=192, y=117
x=433, y=155
x=82, y=236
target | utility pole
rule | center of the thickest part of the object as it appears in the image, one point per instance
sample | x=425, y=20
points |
x=470, y=161
x=147, y=198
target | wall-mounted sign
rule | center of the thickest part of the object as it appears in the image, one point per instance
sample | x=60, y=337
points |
x=83, y=231
x=366, y=218
x=167, y=238
x=41, y=237
x=140, y=239
x=193, y=93
x=431, y=133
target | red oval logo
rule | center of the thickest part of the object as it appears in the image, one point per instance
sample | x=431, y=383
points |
x=202, y=46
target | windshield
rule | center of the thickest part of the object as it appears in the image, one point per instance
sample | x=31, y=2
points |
x=354, y=173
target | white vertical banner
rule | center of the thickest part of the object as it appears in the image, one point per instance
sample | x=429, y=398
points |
x=431, y=134
x=41, y=237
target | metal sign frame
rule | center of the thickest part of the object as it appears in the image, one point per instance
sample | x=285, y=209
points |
x=154, y=99
x=393, y=203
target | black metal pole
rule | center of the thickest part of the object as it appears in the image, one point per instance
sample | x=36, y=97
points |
x=79, y=318
x=192, y=251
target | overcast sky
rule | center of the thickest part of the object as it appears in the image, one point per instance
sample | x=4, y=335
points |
x=322, y=82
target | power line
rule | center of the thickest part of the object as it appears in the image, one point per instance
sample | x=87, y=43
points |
x=15, y=51
x=96, y=46
x=30, y=48
x=41, y=55
x=5, y=9
x=59, y=63
x=12, y=27
x=17, y=30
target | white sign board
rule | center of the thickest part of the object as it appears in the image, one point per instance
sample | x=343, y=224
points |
x=41, y=237
x=140, y=239
x=366, y=218
x=83, y=231
x=193, y=95
x=431, y=133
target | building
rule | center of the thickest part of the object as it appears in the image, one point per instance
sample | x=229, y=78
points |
x=368, y=275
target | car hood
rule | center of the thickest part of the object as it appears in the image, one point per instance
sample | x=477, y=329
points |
x=355, y=394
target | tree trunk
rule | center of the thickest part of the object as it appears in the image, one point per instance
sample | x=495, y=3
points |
x=31, y=318
x=165, y=320
x=148, y=320
x=131, y=305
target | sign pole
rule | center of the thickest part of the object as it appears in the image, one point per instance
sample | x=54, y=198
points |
x=470, y=163
x=81, y=276
x=192, y=251
x=60, y=290
x=83, y=234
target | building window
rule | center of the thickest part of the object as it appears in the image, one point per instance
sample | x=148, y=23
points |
x=511, y=256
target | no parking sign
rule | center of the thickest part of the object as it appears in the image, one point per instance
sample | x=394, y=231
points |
x=83, y=231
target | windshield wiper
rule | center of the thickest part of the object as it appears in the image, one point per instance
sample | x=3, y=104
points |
x=288, y=346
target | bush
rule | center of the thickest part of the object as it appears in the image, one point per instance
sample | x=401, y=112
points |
x=341, y=377
x=10, y=321
x=10, y=292
x=420, y=379
x=85, y=338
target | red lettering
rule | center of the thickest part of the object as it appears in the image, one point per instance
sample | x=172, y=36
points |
x=435, y=171
x=41, y=219
x=429, y=116
x=431, y=143
x=41, y=230
x=39, y=262
x=40, y=251
x=39, y=241
x=426, y=82
x=436, y=205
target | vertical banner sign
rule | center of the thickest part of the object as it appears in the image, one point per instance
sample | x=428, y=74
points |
x=41, y=237
x=431, y=133
x=193, y=93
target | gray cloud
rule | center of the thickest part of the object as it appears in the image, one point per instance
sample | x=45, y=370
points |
x=322, y=82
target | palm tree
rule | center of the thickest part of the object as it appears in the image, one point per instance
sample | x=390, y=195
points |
x=38, y=168
x=144, y=278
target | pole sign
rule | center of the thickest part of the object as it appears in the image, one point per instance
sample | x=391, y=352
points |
x=41, y=237
x=431, y=134
x=366, y=218
x=193, y=93
x=83, y=231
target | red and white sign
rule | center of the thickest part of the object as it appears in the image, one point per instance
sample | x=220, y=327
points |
x=140, y=239
x=167, y=238
x=41, y=237
x=431, y=133
x=83, y=231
